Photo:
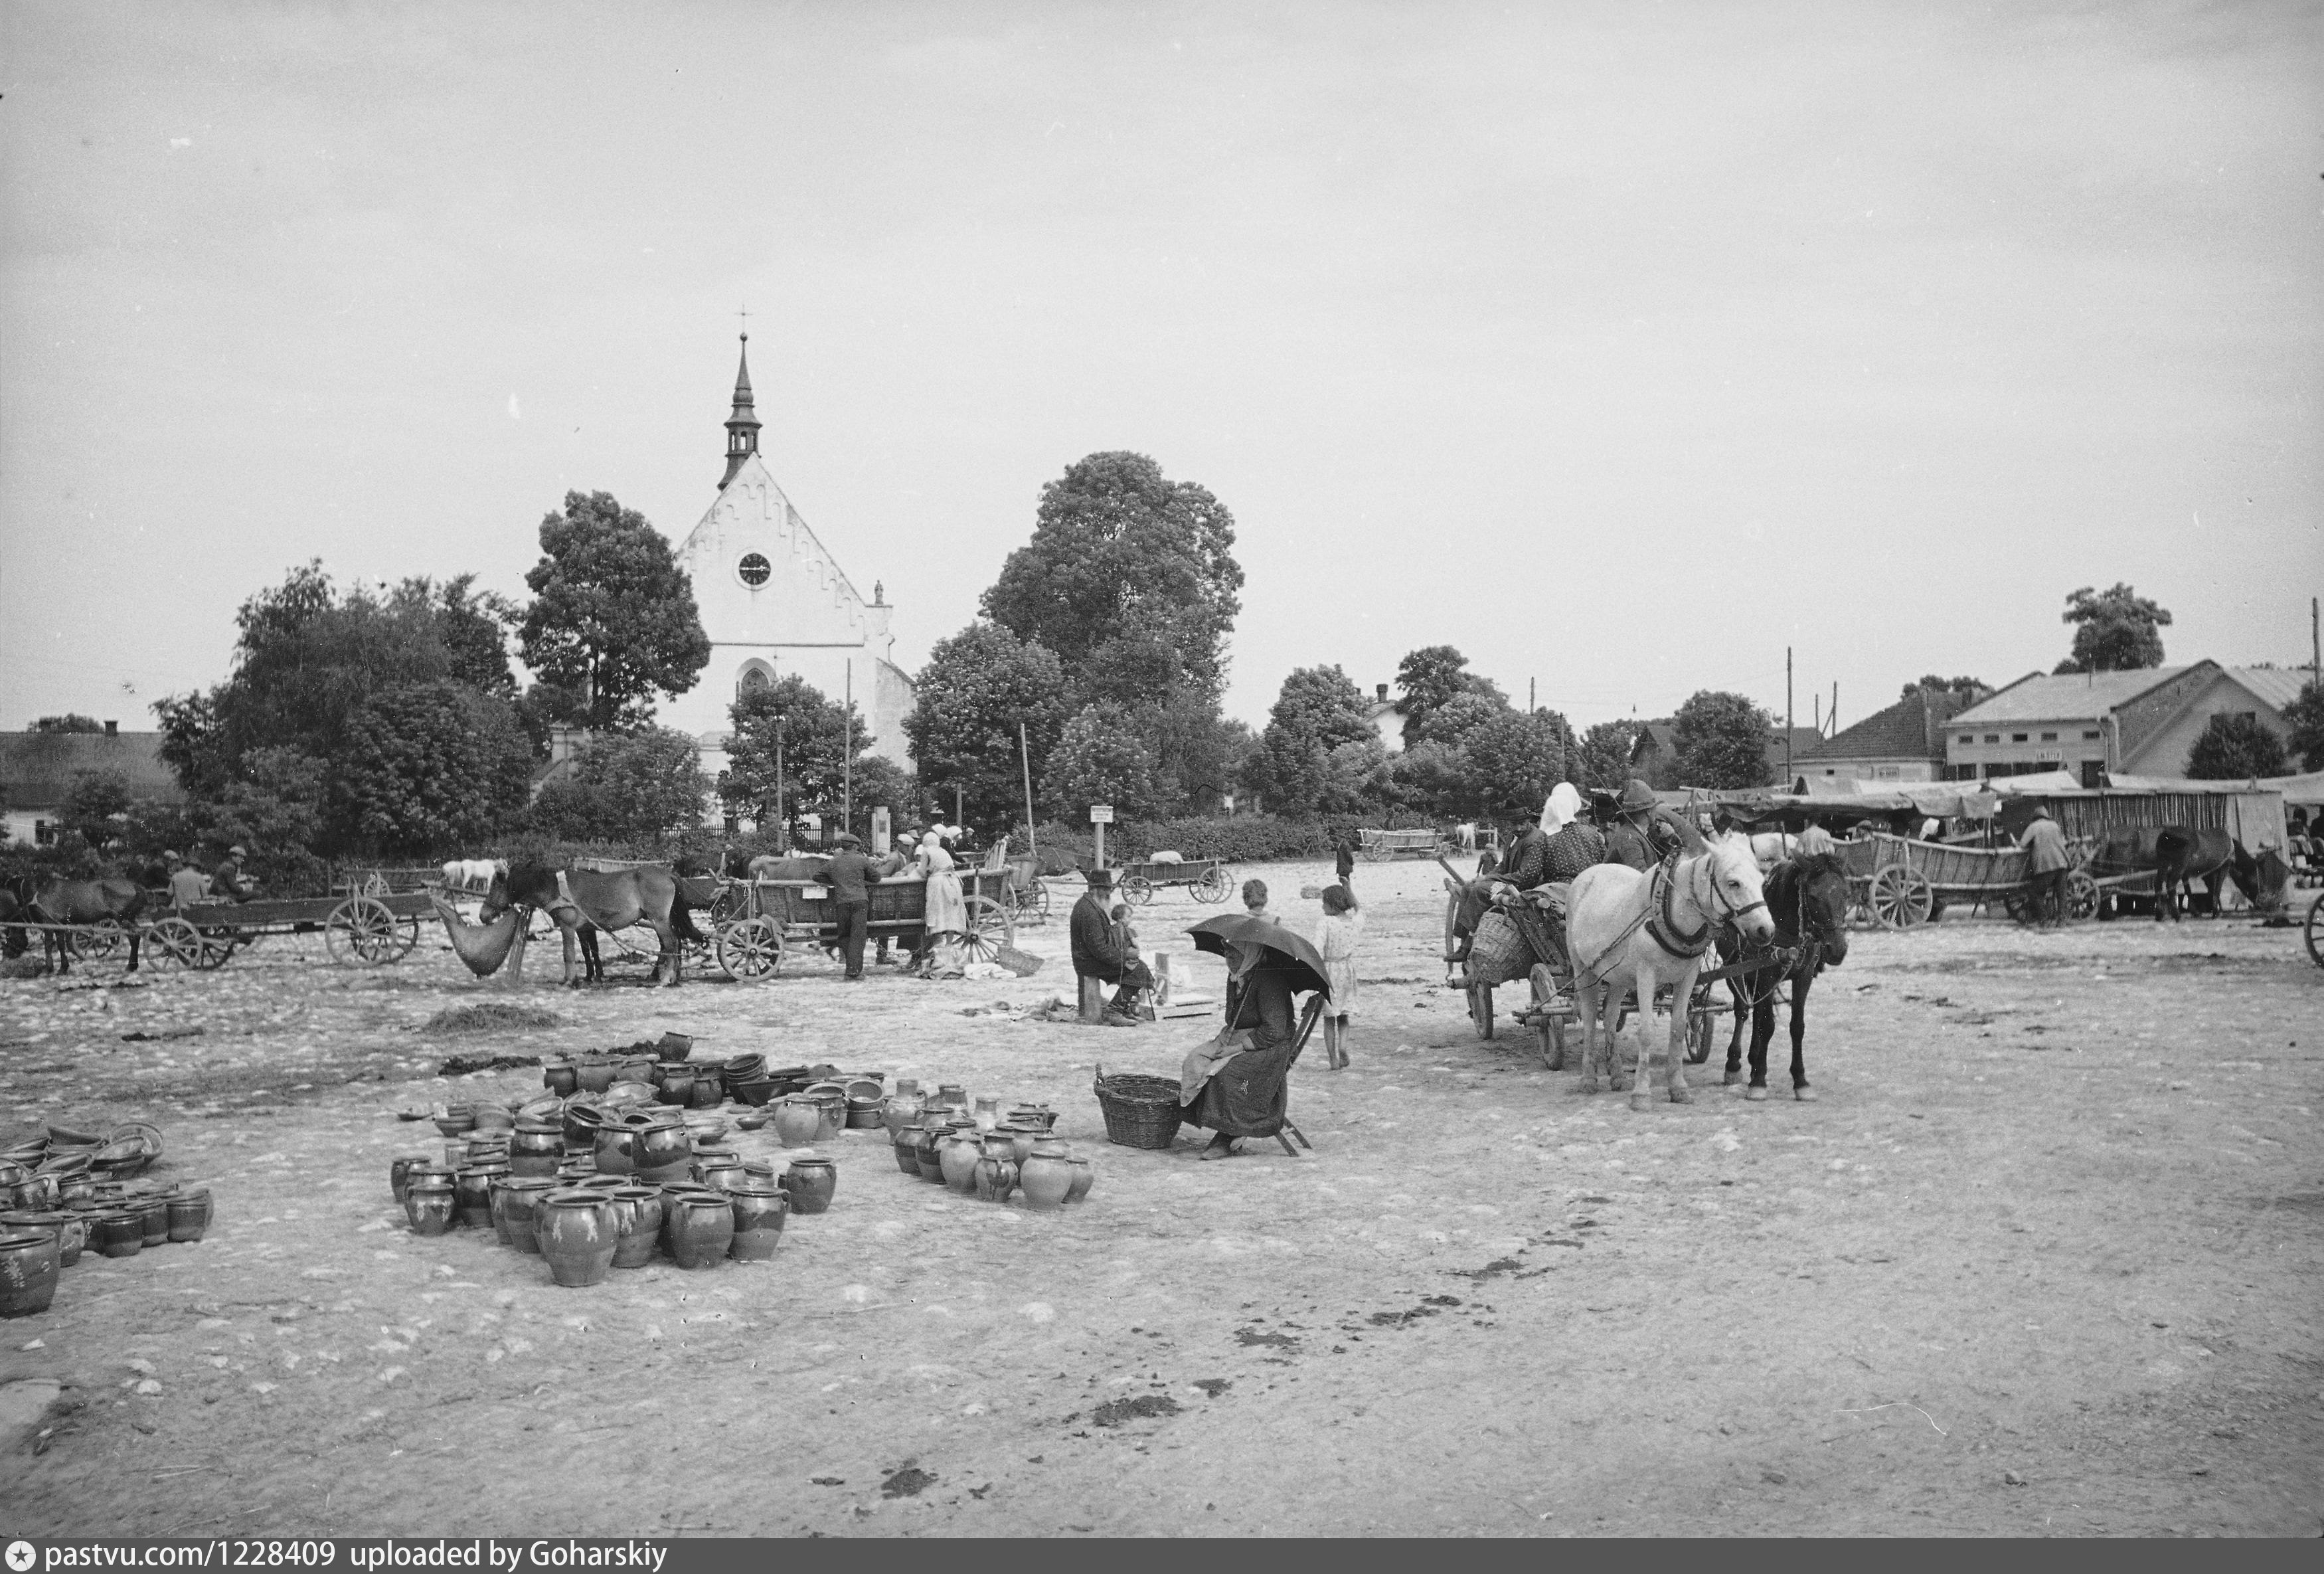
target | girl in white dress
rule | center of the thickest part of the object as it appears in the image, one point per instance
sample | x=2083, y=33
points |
x=947, y=912
x=1336, y=936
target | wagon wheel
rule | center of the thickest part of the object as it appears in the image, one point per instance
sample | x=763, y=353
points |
x=1900, y=897
x=1213, y=885
x=1372, y=854
x=750, y=950
x=2315, y=929
x=362, y=930
x=991, y=926
x=1553, y=1028
x=730, y=906
x=1137, y=890
x=1701, y=1029
x=2082, y=895
x=96, y=941
x=1033, y=902
x=182, y=945
x=1480, y=1009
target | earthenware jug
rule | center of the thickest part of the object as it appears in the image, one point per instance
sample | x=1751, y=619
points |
x=562, y=1078
x=759, y=1215
x=427, y=1202
x=636, y=1224
x=520, y=1205
x=1046, y=1176
x=927, y=1147
x=988, y=1111
x=701, y=1229
x=677, y=1086
x=672, y=1194
x=961, y=1153
x=578, y=1236
x=950, y=1095
x=1021, y=1138
x=595, y=1075
x=1083, y=1175
x=472, y=1194
x=903, y=1107
x=709, y=1091
x=28, y=1272
x=905, y=1141
x=797, y=1121
x=996, y=1167
x=535, y=1147
x=723, y=1170
x=399, y=1171
x=664, y=1151
x=674, y=1046
x=810, y=1180
x=582, y=1119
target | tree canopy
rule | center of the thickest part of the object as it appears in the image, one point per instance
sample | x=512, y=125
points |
x=977, y=687
x=2306, y=717
x=429, y=765
x=1317, y=710
x=2114, y=631
x=1602, y=759
x=1098, y=760
x=1930, y=681
x=71, y=721
x=613, y=614
x=815, y=758
x=1721, y=741
x=1431, y=677
x=642, y=786
x=2234, y=746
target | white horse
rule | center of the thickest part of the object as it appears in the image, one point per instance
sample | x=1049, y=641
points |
x=1629, y=930
x=472, y=873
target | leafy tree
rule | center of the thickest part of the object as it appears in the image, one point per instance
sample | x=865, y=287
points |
x=1930, y=681
x=880, y=782
x=1429, y=779
x=191, y=746
x=71, y=721
x=1602, y=759
x=91, y=801
x=640, y=787
x=613, y=614
x=2235, y=746
x=1098, y=760
x=469, y=623
x=1451, y=722
x=1721, y=741
x=1318, y=709
x=1129, y=575
x=814, y=733
x=1516, y=758
x=1201, y=754
x=430, y=766
x=977, y=687
x=2306, y=717
x=543, y=706
x=1431, y=678
x=273, y=809
x=2114, y=631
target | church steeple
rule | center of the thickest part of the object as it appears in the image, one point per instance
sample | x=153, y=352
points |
x=742, y=425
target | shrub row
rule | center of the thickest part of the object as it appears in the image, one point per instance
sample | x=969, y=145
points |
x=1241, y=838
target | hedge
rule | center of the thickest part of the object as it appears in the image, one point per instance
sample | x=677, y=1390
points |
x=1241, y=838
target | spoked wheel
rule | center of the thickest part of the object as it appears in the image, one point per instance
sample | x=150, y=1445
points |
x=1900, y=897
x=991, y=926
x=1701, y=1029
x=2082, y=895
x=1213, y=885
x=752, y=949
x=177, y=943
x=1553, y=1028
x=96, y=941
x=361, y=930
x=1033, y=902
x=1480, y=1009
x=1137, y=890
x=2316, y=931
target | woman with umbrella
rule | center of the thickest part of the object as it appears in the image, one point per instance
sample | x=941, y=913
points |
x=1237, y=1085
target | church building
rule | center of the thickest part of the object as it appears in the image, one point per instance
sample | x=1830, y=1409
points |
x=775, y=602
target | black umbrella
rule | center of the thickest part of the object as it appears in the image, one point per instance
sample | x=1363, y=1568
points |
x=1293, y=953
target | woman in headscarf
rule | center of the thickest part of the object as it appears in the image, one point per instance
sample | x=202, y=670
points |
x=1574, y=844
x=945, y=913
x=1238, y=1085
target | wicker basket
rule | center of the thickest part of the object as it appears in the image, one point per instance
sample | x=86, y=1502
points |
x=1140, y=1112
x=1497, y=952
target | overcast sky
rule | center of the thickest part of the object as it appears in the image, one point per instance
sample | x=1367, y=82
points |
x=1617, y=344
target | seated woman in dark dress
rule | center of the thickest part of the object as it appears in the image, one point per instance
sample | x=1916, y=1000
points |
x=1247, y=1094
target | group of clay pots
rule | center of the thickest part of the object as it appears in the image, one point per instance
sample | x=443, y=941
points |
x=977, y=1150
x=50, y=1215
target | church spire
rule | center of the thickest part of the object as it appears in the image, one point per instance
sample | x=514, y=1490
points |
x=742, y=425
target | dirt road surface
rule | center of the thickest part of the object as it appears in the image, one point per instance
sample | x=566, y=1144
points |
x=2042, y=1260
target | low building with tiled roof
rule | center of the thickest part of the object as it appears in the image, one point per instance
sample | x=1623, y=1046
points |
x=2141, y=723
x=1904, y=742
x=37, y=770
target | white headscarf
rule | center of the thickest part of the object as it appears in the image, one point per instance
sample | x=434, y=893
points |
x=1564, y=807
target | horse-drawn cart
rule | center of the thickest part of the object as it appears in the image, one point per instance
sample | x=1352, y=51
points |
x=1898, y=882
x=1378, y=847
x=1209, y=879
x=359, y=929
x=754, y=921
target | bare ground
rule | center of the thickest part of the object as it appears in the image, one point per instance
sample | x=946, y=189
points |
x=2043, y=1259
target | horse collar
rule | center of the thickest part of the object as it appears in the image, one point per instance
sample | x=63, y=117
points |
x=563, y=898
x=1663, y=924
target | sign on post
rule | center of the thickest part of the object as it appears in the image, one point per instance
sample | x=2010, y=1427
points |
x=1100, y=816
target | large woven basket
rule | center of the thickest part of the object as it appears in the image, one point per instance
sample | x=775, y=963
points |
x=1497, y=952
x=1141, y=1111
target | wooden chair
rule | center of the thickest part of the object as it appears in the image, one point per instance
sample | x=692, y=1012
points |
x=1307, y=1020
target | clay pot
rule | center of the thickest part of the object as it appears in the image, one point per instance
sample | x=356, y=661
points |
x=70, y=1230
x=929, y=1150
x=996, y=1167
x=562, y=1078
x=625, y=1094
x=190, y=1217
x=759, y=1215
x=810, y=1181
x=40, y=1192
x=1083, y=1175
x=427, y=1202
x=701, y=1229
x=494, y=1117
x=118, y=1233
x=709, y=1091
x=723, y=1170
x=704, y=1132
x=906, y=1141
x=1020, y=1138
x=988, y=1111
x=1046, y=1177
x=959, y=1159
x=831, y=1109
x=673, y=1193
x=28, y=1272
x=903, y=1109
x=518, y=1201
x=399, y=1173
x=1035, y=1114
x=743, y=1067
x=674, y=1046
x=677, y=1086
x=637, y=1069
x=582, y=1119
x=594, y=1076
x=665, y=1149
x=868, y=1116
x=74, y=1185
x=754, y=1091
x=797, y=1121
x=950, y=1095
x=535, y=1147
x=578, y=1235
x=153, y=1216
x=636, y=1224
x=472, y=1194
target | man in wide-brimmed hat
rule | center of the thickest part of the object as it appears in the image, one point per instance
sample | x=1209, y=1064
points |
x=851, y=875
x=1642, y=833
x=1097, y=954
x=1526, y=864
x=228, y=879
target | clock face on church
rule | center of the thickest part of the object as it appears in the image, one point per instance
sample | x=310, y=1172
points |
x=753, y=569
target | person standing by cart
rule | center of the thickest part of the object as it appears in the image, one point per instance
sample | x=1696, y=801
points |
x=851, y=875
x=2046, y=865
x=1343, y=859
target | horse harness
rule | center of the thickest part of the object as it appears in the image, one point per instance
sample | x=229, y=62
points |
x=1661, y=922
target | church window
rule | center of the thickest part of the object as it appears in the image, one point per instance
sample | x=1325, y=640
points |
x=754, y=570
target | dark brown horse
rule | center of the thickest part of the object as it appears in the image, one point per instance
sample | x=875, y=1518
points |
x=1808, y=899
x=110, y=900
x=2179, y=854
x=583, y=900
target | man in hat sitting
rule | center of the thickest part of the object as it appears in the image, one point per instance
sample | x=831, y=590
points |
x=851, y=877
x=1526, y=865
x=1097, y=954
x=1643, y=832
x=228, y=881
x=188, y=884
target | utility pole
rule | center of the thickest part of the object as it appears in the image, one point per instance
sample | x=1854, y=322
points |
x=1530, y=706
x=2315, y=646
x=782, y=830
x=1835, y=708
x=1025, y=758
x=847, y=754
x=1788, y=777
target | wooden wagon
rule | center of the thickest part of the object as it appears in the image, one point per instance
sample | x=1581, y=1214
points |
x=1378, y=847
x=1899, y=882
x=755, y=922
x=1209, y=879
x=360, y=929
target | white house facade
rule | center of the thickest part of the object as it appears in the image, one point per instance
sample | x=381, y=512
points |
x=775, y=602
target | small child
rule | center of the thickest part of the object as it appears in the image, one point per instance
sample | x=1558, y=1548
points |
x=1336, y=936
x=1254, y=899
x=1125, y=938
